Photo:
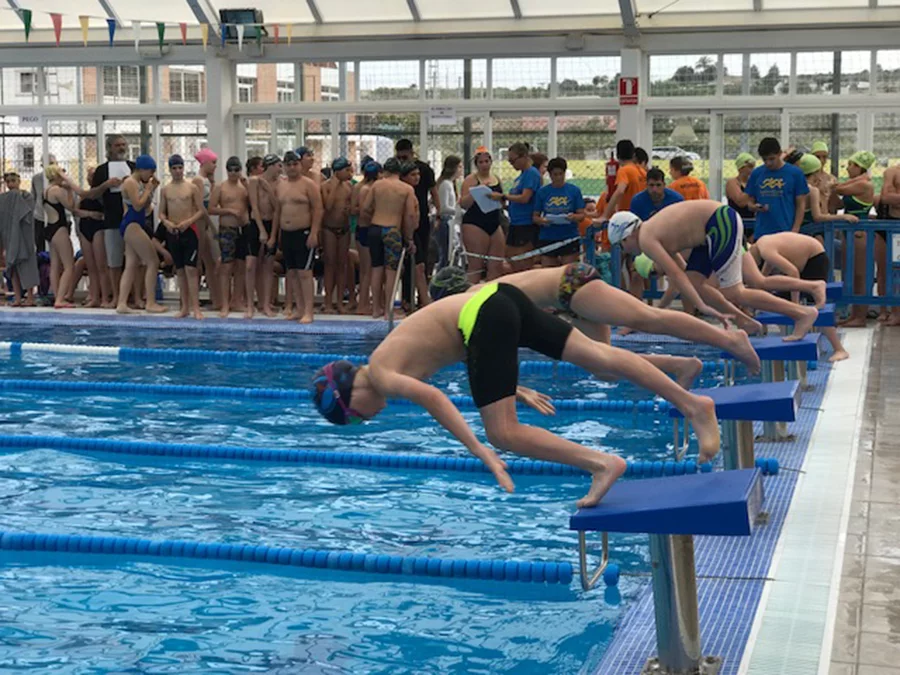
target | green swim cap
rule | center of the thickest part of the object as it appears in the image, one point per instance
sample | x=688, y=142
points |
x=449, y=281
x=643, y=265
x=809, y=164
x=819, y=146
x=744, y=158
x=863, y=159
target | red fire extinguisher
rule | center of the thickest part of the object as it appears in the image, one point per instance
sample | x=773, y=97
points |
x=612, y=168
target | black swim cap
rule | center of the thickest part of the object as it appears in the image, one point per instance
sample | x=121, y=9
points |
x=233, y=163
x=392, y=165
x=290, y=156
x=270, y=160
x=407, y=168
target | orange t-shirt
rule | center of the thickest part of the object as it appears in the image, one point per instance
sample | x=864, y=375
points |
x=690, y=188
x=636, y=179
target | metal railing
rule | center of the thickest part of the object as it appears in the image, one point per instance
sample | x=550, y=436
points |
x=843, y=231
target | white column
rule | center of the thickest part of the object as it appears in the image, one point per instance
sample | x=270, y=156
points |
x=631, y=117
x=221, y=76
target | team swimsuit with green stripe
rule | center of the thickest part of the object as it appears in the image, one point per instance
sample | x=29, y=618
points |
x=722, y=249
x=494, y=323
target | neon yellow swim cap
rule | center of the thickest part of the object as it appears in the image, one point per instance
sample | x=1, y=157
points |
x=643, y=265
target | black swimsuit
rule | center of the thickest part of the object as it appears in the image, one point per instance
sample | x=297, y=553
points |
x=489, y=222
x=61, y=221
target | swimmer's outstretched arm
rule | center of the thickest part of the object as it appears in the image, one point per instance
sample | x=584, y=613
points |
x=447, y=415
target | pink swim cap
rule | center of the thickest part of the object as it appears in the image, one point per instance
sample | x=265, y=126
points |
x=206, y=155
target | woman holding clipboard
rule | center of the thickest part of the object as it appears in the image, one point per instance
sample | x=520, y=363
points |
x=481, y=231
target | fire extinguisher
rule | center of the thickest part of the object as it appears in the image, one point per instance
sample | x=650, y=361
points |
x=612, y=168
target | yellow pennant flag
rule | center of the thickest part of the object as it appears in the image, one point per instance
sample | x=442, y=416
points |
x=83, y=20
x=204, y=34
x=290, y=32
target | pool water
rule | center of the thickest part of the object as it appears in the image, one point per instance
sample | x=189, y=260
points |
x=103, y=614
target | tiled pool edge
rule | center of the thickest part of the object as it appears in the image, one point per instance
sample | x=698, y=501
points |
x=809, y=566
x=727, y=607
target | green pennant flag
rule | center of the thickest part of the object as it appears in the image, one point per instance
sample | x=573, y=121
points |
x=259, y=30
x=26, y=18
x=161, y=31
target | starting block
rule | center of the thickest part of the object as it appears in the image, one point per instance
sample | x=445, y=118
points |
x=738, y=408
x=834, y=290
x=774, y=352
x=824, y=320
x=671, y=511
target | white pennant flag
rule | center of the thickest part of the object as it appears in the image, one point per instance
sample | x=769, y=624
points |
x=136, y=27
x=240, y=32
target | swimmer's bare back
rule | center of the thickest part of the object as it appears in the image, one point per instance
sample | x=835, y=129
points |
x=390, y=198
x=679, y=226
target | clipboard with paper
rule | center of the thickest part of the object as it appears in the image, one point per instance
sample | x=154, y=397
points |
x=481, y=195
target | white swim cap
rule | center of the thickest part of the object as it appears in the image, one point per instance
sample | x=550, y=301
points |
x=621, y=225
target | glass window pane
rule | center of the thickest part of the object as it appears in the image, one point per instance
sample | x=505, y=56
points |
x=770, y=74
x=375, y=134
x=138, y=133
x=815, y=72
x=888, y=77
x=445, y=79
x=855, y=72
x=18, y=86
x=74, y=144
x=686, y=135
x=454, y=139
x=183, y=84
x=388, y=80
x=806, y=129
x=71, y=86
x=586, y=142
x=588, y=75
x=265, y=82
x=683, y=74
x=182, y=137
x=321, y=81
x=521, y=78
x=481, y=9
x=886, y=146
x=125, y=84
x=257, y=137
x=742, y=133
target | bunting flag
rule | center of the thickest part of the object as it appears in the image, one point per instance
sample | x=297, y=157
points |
x=83, y=20
x=290, y=32
x=26, y=19
x=183, y=27
x=204, y=34
x=161, y=32
x=240, y=34
x=259, y=30
x=224, y=34
x=57, y=26
x=111, y=24
x=275, y=32
x=136, y=29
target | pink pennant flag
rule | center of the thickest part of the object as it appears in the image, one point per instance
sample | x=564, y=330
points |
x=57, y=26
x=183, y=33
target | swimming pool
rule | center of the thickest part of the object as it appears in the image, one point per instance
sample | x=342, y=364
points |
x=103, y=614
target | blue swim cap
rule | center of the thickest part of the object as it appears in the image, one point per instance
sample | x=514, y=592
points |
x=302, y=150
x=145, y=162
x=339, y=164
x=332, y=387
x=372, y=168
x=176, y=160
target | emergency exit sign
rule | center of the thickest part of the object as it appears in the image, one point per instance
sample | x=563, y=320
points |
x=628, y=91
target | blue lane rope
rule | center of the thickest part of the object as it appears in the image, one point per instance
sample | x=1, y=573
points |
x=264, y=393
x=140, y=355
x=419, y=566
x=384, y=460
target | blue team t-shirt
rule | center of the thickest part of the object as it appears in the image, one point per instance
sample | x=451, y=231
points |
x=521, y=214
x=777, y=190
x=643, y=206
x=558, y=201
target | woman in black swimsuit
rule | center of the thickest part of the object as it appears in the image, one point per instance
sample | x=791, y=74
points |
x=59, y=196
x=481, y=231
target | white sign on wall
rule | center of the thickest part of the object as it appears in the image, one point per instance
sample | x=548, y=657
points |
x=29, y=121
x=441, y=115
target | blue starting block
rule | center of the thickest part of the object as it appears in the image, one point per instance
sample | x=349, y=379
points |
x=834, y=290
x=775, y=353
x=738, y=408
x=824, y=320
x=671, y=511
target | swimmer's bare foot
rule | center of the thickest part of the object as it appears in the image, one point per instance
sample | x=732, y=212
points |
x=819, y=295
x=92, y=304
x=803, y=325
x=124, y=309
x=340, y=308
x=327, y=309
x=853, y=322
x=751, y=326
x=248, y=314
x=882, y=316
x=702, y=415
x=198, y=315
x=269, y=312
x=223, y=313
x=743, y=350
x=306, y=318
x=839, y=355
x=893, y=320
x=181, y=314
x=155, y=308
x=686, y=371
x=63, y=305
x=109, y=304
x=602, y=480
x=624, y=330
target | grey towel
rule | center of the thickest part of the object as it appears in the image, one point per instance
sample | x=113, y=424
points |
x=17, y=235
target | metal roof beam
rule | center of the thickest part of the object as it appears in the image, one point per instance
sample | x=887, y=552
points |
x=314, y=10
x=204, y=12
x=628, y=10
x=110, y=12
x=414, y=10
x=757, y=5
x=517, y=11
x=15, y=5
